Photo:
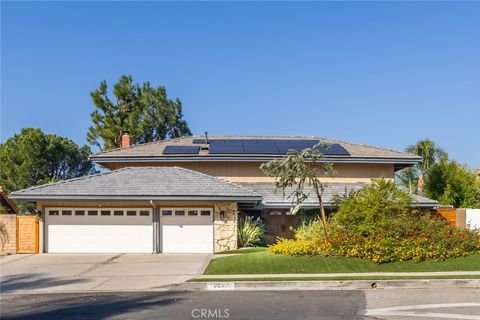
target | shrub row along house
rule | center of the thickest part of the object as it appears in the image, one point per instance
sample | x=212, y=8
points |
x=185, y=195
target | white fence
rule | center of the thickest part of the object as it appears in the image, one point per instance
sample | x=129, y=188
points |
x=472, y=217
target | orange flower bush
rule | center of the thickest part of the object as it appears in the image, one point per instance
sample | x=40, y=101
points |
x=382, y=233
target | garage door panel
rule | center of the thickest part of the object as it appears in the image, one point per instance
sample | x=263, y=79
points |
x=187, y=238
x=98, y=234
x=100, y=239
x=186, y=233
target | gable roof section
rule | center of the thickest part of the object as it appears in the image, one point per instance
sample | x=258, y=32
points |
x=272, y=198
x=152, y=152
x=141, y=183
x=7, y=203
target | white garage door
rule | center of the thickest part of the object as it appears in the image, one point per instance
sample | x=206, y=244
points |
x=98, y=230
x=187, y=230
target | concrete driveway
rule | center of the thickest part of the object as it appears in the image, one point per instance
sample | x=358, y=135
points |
x=97, y=272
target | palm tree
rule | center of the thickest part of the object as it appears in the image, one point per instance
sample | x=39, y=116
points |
x=408, y=178
x=430, y=153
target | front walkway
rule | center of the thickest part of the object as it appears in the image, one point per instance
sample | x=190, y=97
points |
x=97, y=272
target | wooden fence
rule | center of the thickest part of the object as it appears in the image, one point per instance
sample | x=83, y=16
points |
x=27, y=234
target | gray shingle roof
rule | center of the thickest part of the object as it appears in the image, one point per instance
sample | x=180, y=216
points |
x=148, y=183
x=275, y=198
x=155, y=149
x=272, y=197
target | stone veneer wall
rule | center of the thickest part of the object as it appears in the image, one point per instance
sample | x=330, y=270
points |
x=225, y=230
x=8, y=233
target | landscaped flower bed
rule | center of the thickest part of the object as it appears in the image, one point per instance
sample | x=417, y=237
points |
x=378, y=224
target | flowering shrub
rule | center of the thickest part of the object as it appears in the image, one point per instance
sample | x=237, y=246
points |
x=309, y=231
x=394, y=233
x=302, y=247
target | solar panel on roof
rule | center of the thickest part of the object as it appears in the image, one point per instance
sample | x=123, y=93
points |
x=181, y=150
x=260, y=147
x=226, y=146
x=200, y=141
x=268, y=146
x=297, y=145
x=335, y=149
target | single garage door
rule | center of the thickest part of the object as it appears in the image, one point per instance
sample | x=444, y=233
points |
x=98, y=230
x=187, y=230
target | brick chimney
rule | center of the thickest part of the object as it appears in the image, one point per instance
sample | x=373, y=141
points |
x=126, y=140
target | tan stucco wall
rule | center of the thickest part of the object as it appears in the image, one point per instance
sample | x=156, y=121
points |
x=250, y=171
x=8, y=225
x=225, y=230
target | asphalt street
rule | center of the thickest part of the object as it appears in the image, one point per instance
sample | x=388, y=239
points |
x=447, y=303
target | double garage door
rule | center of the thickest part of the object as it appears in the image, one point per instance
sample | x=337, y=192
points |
x=128, y=230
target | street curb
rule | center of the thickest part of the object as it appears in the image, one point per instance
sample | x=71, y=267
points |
x=328, y=285
x=276, y=286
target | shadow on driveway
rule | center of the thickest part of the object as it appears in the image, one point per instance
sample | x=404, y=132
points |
x=32, y=281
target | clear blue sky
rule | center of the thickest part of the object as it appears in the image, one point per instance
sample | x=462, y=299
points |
x=381, y=73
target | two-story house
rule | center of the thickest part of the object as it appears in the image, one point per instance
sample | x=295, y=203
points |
x=185, y=195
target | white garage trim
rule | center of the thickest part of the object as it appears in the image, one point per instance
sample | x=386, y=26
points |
x=186, y=230
x=98, y=230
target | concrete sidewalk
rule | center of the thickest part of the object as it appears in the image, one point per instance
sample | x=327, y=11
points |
x=335, y=275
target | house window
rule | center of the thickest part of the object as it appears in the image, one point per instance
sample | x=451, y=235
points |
x=66, y=212
x=118, y=213
x=166, y=212
x=79, y=212
x=205, y=212
x=179, y=212
x=105, y=212
x=53, y=213
x=275, y=213
x=192, y=212
x=144, y=213
x=93, y=213
x=131, y=213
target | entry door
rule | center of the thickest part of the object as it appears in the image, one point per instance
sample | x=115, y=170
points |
x=186, y=230
x=280, y=223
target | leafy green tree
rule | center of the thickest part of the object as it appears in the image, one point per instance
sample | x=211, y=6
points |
x=32, y=157
x=430, y=153
x=297, y=170
x=362, y=210
x=142, y=110
x=453, y=184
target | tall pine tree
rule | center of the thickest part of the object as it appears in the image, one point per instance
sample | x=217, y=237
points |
x=143, y=110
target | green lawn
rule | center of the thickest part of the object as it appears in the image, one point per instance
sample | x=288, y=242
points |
x=259, y=261
x=244, y=250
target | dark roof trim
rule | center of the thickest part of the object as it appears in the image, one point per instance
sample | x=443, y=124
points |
x=101, y=160
x=330, y=205
x=135, y=198
x=6, y=201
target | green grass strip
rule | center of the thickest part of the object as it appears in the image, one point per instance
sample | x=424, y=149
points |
x=261, y=261
x=334, y=278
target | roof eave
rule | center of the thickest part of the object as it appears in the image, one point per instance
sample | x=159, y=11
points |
x=150, y=159
x=240, y=199
x=331, y=204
